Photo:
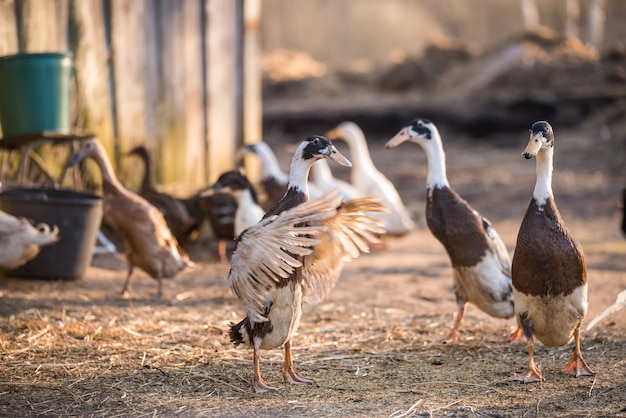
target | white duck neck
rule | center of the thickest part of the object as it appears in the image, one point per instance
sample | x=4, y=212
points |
x=299, y=173
x=436, y=156
x=321, y=173
x=543, y=186
x=361, y=158
x=270, y=167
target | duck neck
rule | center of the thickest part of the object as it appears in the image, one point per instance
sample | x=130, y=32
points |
x=320, y=173
x=543, y=186
x=436, y=178
x=270, y=167
x=299, y=173
x=106, y=168
x=146, y=182
x=245, y=199
x=361, y=158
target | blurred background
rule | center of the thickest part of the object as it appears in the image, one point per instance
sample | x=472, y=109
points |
x=195, y=79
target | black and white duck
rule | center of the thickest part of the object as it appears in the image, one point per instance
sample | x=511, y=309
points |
x=277, y=261
x=273, y=179
x=549, y=271
x=480, y=262
x=249, y=211
x=148, y=242
x=366, y=178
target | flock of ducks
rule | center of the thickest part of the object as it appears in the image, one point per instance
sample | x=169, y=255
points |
x=297, y=248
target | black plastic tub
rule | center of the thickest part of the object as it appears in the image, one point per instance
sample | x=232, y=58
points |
x=76, y=214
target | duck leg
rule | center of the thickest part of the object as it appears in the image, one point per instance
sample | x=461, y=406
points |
x=129, y=278
x=159, y=294
x=221, y=250
x=577, y=365
x=260, y=385
x=533, y=374
x=454, y=335
x=290, y=375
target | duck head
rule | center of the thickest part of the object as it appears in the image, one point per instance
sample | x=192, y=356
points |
x=541, y=137
x=316, y=147
x=89, y=148
x=418, y=130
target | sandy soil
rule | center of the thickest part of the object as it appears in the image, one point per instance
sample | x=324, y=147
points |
x=76, y=348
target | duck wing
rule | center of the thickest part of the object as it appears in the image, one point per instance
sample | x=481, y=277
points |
x=497, y=247
x=348, y=234
x=271, y=251
x=620, y=303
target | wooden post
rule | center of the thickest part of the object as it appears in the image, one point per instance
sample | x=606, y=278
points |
x=220, y=84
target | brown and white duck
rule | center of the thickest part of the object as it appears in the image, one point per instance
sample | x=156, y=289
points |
x=480, y=262
x=180, y=222
x=148, y=242
x=277, y=261
x=20, y=241
x=366, y=178
x=549, y=272
x=248, y=212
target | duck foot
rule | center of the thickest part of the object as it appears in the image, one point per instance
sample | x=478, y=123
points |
x=261, y=386
x=531, y=376
x=293, y=378
x=516, y=336
x=577, y=367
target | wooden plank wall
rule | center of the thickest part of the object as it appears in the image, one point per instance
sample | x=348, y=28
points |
x=165, y=73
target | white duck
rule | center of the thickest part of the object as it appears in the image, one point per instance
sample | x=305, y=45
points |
x=549, y=272
x=148, y=242
x=20, y=241
x=480, y=262
x=370, y=181
x=620, y=303
x=277, y=260
x=322, y=177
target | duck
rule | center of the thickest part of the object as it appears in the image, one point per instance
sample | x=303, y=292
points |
x=481, y=266
x=297, y=250
x=219, y=209
x=21, y=241
x=620, y=303
x=273, y=179
x=548, y=270
x=366, y=178
x=148, y=242
x=322, y=176
x=249, y=211
x=180, y=222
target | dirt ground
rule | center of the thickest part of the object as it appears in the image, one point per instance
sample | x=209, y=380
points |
x=77, y=348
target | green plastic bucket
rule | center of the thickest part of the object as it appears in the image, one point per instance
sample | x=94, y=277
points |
x=35, y=93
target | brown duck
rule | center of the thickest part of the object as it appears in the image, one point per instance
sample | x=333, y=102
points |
x=297, y=249
x=148, y=242
x=549, y=272
x=178, y=219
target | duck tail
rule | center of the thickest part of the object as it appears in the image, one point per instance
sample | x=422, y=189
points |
x=237, y=332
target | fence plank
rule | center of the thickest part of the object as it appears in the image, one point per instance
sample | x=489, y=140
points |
x=221, y=55
x=43, y=25
x=8, y=28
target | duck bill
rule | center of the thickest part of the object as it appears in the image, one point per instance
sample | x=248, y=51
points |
x=398, y=139
x=338, y=157
x=75, y=159
x=332, y=134
x=533, y=147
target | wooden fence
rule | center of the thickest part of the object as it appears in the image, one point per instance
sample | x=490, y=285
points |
x=180, y=76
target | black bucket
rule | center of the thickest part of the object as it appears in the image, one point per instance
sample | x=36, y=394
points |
x=76, y=214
